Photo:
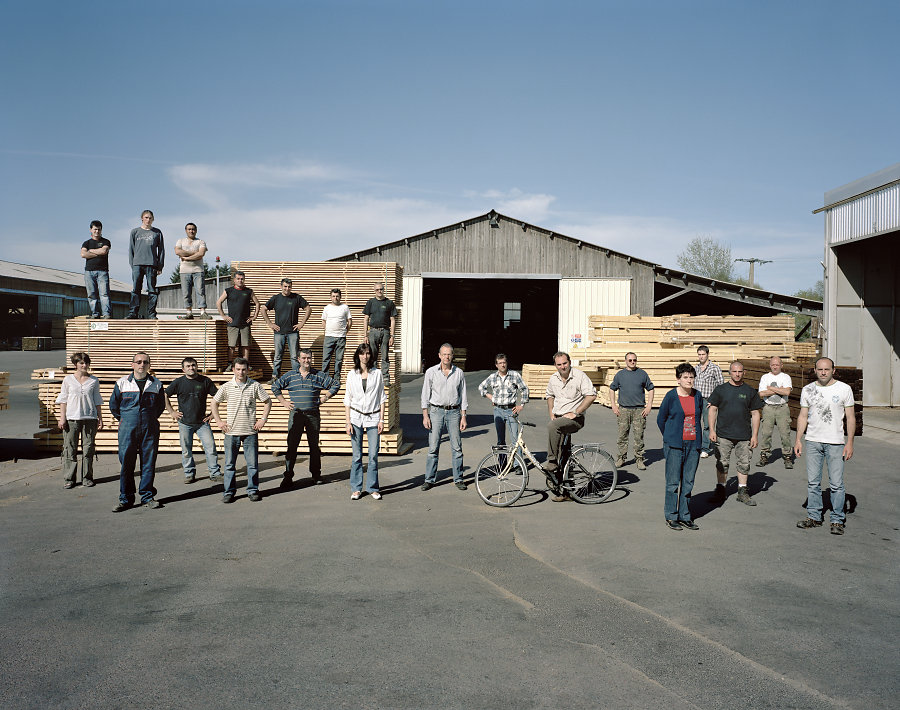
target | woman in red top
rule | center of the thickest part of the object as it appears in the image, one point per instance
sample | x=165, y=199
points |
x=679, y=421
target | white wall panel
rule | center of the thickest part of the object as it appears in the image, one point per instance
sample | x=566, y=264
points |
x=579, y=299
x=411, y=325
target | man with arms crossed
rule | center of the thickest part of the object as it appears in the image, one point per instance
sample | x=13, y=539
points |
x=632, y=408
x=337, y=322
x=192, y=389
x=380, y=317
x=733, y=425
x=191, y=252
x=569, y=395
x=243, y=305
x=503, y=388
x=96, y=271
x=287, y=325
x=136, y=402
x=824, y=404
x=307, y=389
x=146, y=256
x=709, y=376
x=444, y=404
x=774, y=388
x=241, y=428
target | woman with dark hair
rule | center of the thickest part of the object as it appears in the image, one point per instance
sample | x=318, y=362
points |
x=80, y=416
x=364, y=401
x=679, y=421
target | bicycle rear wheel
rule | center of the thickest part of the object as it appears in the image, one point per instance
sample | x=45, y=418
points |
x=500, y=481
x=590, y=474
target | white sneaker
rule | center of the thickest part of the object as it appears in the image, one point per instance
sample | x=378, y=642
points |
x=704, y=455
x=375, y=495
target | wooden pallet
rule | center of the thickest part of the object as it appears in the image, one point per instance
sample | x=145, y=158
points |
x=4, y=390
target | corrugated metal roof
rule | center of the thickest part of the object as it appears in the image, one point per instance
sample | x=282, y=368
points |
x=45, y=274
x=860, y=187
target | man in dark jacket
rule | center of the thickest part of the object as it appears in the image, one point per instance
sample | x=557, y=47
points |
x=136, y=403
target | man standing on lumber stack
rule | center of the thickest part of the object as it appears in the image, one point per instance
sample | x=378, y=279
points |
x=146, y=257
x=632, y=408
x=338, y=321
x=824, y=404
x=774, y=388
x=243, y=305
x=307, y=388
x=380, y=318
x=191, y=252
x=95, y=252
x=570, y=393
x=709, y=376
x=136, y=402
x=287, y=325
x=733, y=426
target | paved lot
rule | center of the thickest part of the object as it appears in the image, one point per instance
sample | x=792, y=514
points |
x=434, y=600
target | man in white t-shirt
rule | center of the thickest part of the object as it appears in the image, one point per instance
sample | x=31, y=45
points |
x=191, y=251
x=824, y=404
x=774, y=388
x=337, y=322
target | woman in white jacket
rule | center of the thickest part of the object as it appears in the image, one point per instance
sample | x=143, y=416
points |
x=80, y=417
x=364, y=400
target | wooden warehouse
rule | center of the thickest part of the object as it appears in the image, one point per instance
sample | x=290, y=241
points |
x=494, y=283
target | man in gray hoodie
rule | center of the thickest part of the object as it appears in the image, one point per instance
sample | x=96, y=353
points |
x=146, y=256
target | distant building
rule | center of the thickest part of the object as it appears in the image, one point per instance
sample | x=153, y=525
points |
x=36, y=300
x=862, y=281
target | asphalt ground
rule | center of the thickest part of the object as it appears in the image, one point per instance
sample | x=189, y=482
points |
x=433, y=599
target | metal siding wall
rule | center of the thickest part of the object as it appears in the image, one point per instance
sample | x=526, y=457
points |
x=579, y=299
x=411, y=325
x=864, y=216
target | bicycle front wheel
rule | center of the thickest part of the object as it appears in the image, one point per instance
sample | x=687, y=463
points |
x=590, y=474
x=501, y=478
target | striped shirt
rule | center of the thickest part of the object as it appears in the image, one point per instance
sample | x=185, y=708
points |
x=707, y=380
x=302, y=391
x=504, y=389
x=241, y=399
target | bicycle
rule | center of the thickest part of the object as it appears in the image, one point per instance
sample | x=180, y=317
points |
x=589, y=472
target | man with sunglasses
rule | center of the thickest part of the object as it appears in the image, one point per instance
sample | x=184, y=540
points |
x=632, y=408
x=136, y=403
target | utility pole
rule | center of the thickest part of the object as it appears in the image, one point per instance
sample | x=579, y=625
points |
x=752, y=262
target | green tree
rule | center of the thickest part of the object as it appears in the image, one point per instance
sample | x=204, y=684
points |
x=816, y=293
x=209, y=272
x=708, y=257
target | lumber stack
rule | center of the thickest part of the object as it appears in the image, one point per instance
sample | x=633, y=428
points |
x=111, y=345
x=802, y=373
x=4, y=390
x=662, y=343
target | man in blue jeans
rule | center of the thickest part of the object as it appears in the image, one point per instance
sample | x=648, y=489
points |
x=287, y=324
x=824, y=404
x=241, y=427
x=192, y=389
x=504, y=389
x=444, y=403
x=95, y=252
x=146, y=256
x=136, y=402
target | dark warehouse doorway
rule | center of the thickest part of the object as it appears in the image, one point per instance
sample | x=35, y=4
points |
x=519, y=317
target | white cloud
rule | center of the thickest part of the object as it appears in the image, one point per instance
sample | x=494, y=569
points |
x=516, y=203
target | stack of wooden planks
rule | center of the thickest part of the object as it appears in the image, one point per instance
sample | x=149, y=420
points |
x=4, y=390
x=802, y=373
x=111, y=349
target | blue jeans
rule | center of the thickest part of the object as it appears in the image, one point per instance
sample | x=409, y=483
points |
x=704, y=424
x=503, y=417
x=204, y=433
x=439, y=419
x=292, y=340
x=336, y=347
x=356, y=466
x=233, y=444
x=135, y=438
x=138, y=274
x=97, y=285
x=681, y=466
x=832, y=455
x=188, y=283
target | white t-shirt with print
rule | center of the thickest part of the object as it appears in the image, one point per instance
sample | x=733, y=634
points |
x=336, y=318
x=826, y=411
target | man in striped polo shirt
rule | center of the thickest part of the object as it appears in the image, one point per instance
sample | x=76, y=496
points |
x=307, y=388
x=242, y=427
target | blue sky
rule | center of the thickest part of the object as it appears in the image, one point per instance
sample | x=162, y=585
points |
x=305, y=130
